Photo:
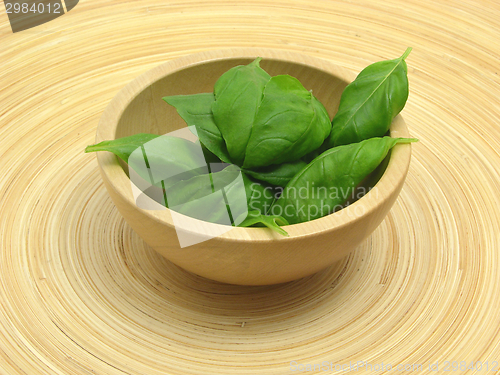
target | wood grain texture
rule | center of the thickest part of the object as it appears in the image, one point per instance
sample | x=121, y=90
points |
x=81, y=293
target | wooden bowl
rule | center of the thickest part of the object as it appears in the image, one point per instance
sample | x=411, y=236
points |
x=246, y=256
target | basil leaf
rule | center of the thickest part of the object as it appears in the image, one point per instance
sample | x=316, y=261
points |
x=156, y=158
x=223, y=197
x=220, y=206
x=260, y=196
x=210, y=157
x=330, y=179
x=290, y=123
x=122, y=147
x=196, y=110
x=175, y=174
x=368, y=104
x=238, y=94
x=200, y=186
x=168, y=157
x=278, y=174
x=255, y=218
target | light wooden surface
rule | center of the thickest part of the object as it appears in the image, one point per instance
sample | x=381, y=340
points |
x=81, y=293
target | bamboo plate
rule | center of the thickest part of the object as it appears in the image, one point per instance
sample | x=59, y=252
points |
x=81, y=293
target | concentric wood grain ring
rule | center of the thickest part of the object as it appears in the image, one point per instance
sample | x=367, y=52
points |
x=80, y=292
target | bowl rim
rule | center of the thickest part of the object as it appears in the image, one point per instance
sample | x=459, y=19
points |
x=112, y=171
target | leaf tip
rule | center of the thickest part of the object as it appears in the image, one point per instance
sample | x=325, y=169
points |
x=283, y=232
x=89, y=149
x=256, y=61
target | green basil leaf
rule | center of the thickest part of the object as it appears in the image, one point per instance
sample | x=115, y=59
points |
x=240, y=191
x=330, y=179
x=122, y=147
x=220, y=206
x=196, y=110
x=200, y=186
x=278, y=174
x=210, y=157
x=167, y=157
x=290, y=123
x=369, y=104
x=156, y=159
x=256, y=218
x=260, y=195
x=238, y=94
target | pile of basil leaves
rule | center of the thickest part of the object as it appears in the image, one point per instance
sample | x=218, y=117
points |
x=296, y=165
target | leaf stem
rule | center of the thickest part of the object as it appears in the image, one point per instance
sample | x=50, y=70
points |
x=407, y=140
x=407, y=52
